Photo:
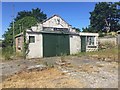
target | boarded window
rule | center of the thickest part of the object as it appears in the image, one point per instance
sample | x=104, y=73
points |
x=31, y=39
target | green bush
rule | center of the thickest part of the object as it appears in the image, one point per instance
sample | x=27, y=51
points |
x=7, y=52
x=101, y=34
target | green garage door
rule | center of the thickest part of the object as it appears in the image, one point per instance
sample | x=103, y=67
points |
x=55, y=44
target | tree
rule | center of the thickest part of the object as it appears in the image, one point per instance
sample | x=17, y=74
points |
x=24, y=19
x=85, y=29
x=77, y=29
x=36, y=13
x=105, y=17
x=88, y=29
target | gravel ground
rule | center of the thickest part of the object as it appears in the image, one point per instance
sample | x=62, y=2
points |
x=99, y=78
x=91, y=72
x=14, y=66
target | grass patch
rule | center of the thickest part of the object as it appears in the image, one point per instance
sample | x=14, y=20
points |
x=107, y=53
x=7, y=54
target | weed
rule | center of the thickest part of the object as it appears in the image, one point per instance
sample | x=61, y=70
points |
x=63, y=57
x=49, y=65
x=7, y=52
x=107, y=53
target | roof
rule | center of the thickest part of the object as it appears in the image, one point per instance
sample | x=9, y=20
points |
x=20, y=34
x=54, y=16
x=54, y=32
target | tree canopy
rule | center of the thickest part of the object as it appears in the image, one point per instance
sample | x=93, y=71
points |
x=105, y=17
x=36, y=13
x=23, y=20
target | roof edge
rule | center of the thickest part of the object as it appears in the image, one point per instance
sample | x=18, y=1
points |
x=57, y=16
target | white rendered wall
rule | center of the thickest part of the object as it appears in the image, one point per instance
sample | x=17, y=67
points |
x=53, y=23
x=75, y=44
x=35, y=49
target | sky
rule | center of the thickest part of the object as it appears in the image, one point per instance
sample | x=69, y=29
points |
x=75, y=13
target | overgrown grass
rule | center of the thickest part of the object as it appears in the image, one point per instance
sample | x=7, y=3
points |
x=7, y=53
x=107, y=53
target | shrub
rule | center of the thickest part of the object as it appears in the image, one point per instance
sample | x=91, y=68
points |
x=101, y=34
x=7, y=52
x=63, y=57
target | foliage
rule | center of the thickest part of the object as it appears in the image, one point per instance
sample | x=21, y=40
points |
x=77, y=29
x=7, y=52
x=23, y=21
x=25, y=45
x=105, y=17
x=112, y=52
x=88, y=29
x=36, y=13
x=63, y=57
x=26, y=22
x=102, y=34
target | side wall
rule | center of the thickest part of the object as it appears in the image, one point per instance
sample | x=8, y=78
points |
x=35, y=49
x=75, y=44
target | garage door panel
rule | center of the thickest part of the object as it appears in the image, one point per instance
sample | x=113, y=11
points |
x=55, y=44
x=48, y=45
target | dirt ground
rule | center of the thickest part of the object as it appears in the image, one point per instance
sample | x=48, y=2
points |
x=68, y=72
x=50, y=78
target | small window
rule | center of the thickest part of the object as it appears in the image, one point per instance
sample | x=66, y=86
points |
x=31, y=39
x=90, y=40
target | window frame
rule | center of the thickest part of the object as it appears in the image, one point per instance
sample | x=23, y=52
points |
x=31, y=39
x=91, y=40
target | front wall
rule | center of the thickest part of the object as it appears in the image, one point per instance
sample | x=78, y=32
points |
x=52, y=23
x=75, y=44
x=35, y=49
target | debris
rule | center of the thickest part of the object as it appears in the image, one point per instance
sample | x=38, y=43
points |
x=37, y=67
x=62, y=63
